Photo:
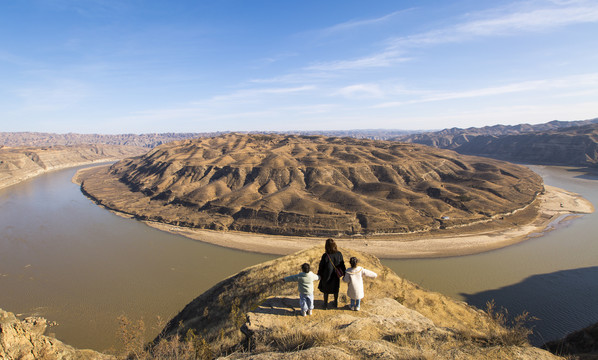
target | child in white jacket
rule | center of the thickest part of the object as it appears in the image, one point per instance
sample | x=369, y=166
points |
x=354, y=276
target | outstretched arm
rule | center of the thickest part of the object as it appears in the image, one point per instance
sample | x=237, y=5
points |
x=368, y=273
x=291, y=278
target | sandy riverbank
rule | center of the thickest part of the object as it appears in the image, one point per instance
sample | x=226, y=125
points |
x=554, y=207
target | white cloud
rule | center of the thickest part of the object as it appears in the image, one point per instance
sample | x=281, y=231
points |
x=351, y=25
x=383, y=59
x=575, y=82
x=256, y=93
x=534, y=20
x=501, y=22
x=505, y=22
x=361, y=90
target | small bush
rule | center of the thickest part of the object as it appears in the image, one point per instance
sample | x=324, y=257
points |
x=515, y=331
x=200, y=346
x=132, y=337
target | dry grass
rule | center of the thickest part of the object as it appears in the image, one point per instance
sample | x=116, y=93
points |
x=292, y=339
x=515, y=331
x=135, y=346
x=457, y=347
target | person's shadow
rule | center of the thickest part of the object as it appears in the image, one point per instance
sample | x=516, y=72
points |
x=562, y=301
x=283, y=306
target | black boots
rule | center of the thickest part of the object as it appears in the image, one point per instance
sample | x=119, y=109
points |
x=334, y=304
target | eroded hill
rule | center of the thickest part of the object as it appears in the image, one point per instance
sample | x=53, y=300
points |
x=311, y=185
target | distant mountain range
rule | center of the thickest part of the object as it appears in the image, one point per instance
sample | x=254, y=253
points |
x=155, y=139
x=51, y=139
x=556, y=142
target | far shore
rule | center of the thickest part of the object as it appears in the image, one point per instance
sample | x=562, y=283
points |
x=556, y=206
x=17, y=178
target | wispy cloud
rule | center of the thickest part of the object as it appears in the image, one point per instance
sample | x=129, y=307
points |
x=576, y=82
x=219, y=107
x=354, y=24
x=501, y=22
x=533, y=20
x=220, y=116
x=361, y=90
x=383, y=59
x=275, y=58
x=498, y=22
x=248, y=94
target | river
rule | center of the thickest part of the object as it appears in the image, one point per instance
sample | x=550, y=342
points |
x=64, y=258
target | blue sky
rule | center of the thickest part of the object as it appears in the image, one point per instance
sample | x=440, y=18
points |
x=102, y=66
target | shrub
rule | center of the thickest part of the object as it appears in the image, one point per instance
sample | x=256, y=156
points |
x=514, y=331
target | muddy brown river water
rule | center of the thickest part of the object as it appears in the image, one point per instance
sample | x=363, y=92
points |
x=64, y=258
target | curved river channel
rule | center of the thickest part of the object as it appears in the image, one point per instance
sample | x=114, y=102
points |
x=66, y=259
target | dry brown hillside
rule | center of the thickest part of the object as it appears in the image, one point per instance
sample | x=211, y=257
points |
x=254, y=315
x=24, y=162
x=311, y=185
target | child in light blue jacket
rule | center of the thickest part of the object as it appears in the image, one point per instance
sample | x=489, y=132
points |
x=305, y=283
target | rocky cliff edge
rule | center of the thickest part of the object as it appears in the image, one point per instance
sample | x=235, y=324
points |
x=254, y=315
x=25, y=340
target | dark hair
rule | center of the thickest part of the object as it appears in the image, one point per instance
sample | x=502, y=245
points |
x=305, y=268
x=330, y=247
x=353, y=261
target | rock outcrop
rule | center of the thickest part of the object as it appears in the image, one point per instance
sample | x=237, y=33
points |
x=311, y=185
x=254, y=315
x=25, y=340
x=21, y=163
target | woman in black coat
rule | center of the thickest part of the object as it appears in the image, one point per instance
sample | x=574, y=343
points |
x=329, y=280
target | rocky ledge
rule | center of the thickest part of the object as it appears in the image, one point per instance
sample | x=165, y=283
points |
x=25, y=340
x=253, y=315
